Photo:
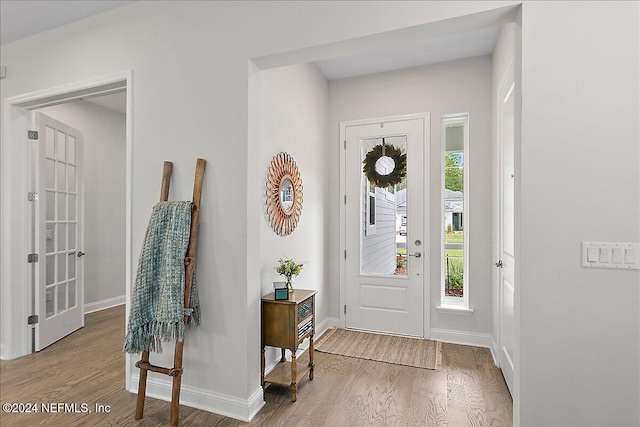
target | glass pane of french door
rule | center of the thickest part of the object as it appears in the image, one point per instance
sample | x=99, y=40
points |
x=61, y=221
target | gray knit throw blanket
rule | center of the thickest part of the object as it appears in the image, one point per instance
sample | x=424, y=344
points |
x=157, y=307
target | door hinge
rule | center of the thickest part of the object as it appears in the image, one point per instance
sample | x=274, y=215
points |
x=32, y=320
x=345, y=309
x=345, y=199
x=32, y=258
x=345, y=254
x=32, y=196
x=32, y=134
x=345, y=144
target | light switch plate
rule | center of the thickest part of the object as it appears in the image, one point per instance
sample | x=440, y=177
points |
x=622, y=256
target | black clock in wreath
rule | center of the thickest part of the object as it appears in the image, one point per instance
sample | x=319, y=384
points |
x=385, y=165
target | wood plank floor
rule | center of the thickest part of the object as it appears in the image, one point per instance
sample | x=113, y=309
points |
x=88, y=367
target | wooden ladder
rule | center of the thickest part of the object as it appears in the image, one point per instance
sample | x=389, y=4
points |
x=189, y=261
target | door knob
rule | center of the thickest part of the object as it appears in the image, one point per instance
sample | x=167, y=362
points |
x=80, y=253
x=499, y=264
x=417, y=254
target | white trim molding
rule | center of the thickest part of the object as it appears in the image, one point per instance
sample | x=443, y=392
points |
x=218, y=403
x=92, y=307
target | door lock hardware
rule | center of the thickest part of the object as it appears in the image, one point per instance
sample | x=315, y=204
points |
x=417, y=254
x=418, y=242
x=499, y=264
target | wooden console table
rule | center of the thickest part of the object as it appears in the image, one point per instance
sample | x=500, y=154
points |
x=285, y=324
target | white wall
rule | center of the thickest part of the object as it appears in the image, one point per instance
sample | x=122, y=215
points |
x=103, y=132
x=291, y=111
x=580, y=355
x=580, y=159
x=452, y=87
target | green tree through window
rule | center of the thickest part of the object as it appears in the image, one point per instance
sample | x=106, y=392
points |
x=453, y=171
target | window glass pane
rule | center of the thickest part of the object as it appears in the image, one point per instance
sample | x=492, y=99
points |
x=72, y=265
x=454, y=256
x=71, y=171
x=49, y=237
x=62, y=297
x=62, y=267
x=72, y=207
x=50, y=144
x=71, y=148
x=62, y=206
x=72, y=294
x=50, y=273
x=61, y=145
x=62, y=237
x=72, y=236
x=50, y=297
x=62, y=179
x=51, y=174
x=383, y=239
x=51, y=206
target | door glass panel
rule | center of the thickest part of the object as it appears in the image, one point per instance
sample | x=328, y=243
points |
x=51, y=206
x=62, y=267
x=71, y=292
x=50, y=143
x=61, y=143
x=62, y=297
x=51, y=174
x=49, y=238
x=62, y=237
x=62, y=180
x=71, y=148
x=62, y=205
x=72, y=236
x=383, y=237
x=72, y=265
x=71, y=170
x=50, y=273
x=72, y=207
x=50, y=298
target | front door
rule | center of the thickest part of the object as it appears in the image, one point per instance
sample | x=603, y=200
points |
x=507, y=285
x=58, y=231
x=385, y=259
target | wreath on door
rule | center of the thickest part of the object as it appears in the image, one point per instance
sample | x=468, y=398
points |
x=398, y=172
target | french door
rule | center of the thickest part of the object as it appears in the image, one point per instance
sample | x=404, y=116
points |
x=58, y=231
x=385, y=237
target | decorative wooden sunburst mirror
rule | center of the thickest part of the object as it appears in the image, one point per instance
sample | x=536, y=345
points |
x=284, y=194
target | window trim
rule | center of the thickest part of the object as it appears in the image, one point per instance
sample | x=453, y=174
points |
x=449, y=302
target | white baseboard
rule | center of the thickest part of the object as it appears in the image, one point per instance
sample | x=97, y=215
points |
x=494, y=350
x=104, y=304
x=2, y=355
x=326, y=324
x=462, y=337
x=218, y=403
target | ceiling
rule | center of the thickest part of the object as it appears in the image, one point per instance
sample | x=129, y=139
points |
x=20, y=19
x=115, y=102
x=467, y=44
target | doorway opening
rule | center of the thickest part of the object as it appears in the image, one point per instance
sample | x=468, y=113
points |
x=16, y=222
